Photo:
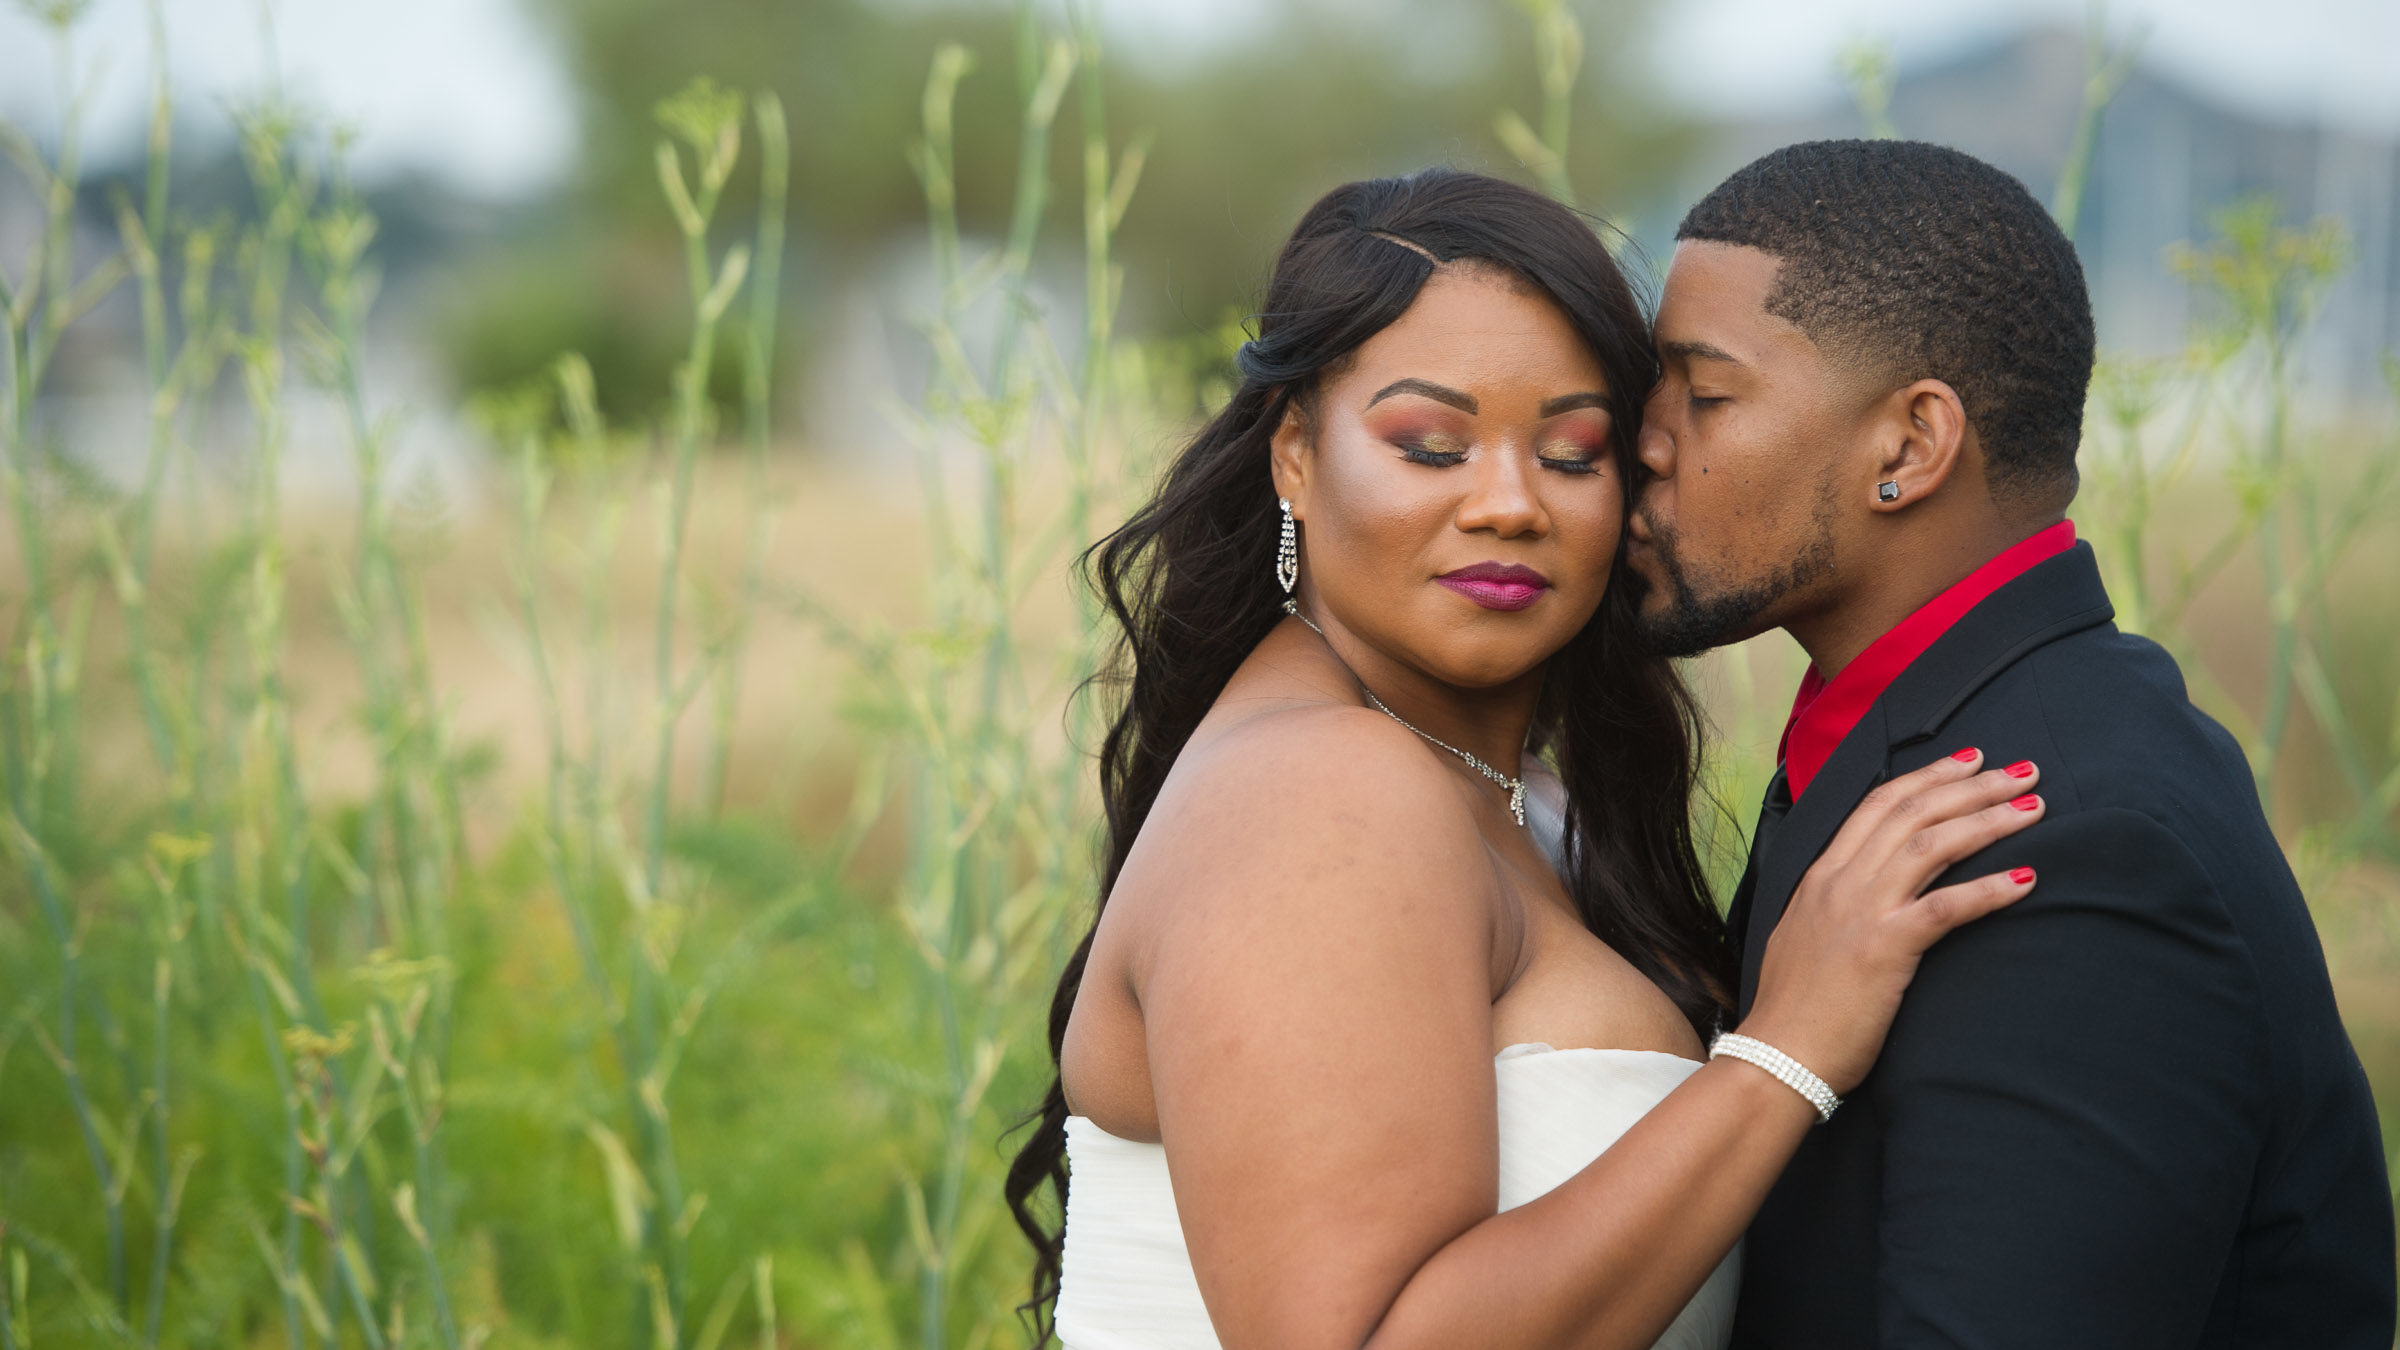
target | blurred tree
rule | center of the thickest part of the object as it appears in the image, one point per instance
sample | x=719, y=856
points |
x=1244, y=134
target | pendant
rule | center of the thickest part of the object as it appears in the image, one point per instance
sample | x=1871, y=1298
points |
x=1516, y=800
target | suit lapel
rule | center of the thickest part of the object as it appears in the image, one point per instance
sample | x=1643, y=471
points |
x=1857, y=765
x=1771, y=812
x=2051, y=600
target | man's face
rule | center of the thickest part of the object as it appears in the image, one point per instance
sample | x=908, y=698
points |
x=1734, y=531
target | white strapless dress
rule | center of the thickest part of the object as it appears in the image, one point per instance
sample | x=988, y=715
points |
x=1127, y=1282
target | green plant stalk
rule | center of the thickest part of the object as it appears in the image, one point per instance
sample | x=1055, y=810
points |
x=582, y=887
x=1106, y=196
x=933, y=157
x=533, y=492
x=1867, y=68
x=284, y=201
x=2282, y=616
x=421, y=1126
x=1043, y=73
x=409, y=738
x=2133, y=530
x=940, y=860
x=1561, y=49
x=131, y=570
x=281, y=824
x=10, y=1264
x=708, y=303
x=264, y=638
x=44, y=883
x=758, y=371
x=146, y=237
x=402, y=706
x=1042, y=80
x=162, y=1216
x=691, y=396
x=577, y=892
x=294, y=1163
x=38, y=317
x=2130, y=411
x=762, y=1287
x=401, y=713
x=976, y=765
x=338, y=1245
x=577, y=888
x=1558, y=53
x=2104, y=73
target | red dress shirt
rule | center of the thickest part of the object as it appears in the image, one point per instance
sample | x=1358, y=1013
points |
x=1824, y=710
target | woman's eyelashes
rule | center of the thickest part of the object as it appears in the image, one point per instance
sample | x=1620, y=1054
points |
x=1441, y=452
x=1437, y=450
x=1570, y=457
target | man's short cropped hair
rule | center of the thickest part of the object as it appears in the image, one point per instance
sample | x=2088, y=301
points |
x=1912, y=261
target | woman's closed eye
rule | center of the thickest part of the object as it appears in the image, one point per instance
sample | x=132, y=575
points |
x=1442, y=452
x=1437, y=450
x=1570, y=457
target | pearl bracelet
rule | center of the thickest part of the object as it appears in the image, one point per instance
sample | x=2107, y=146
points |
x=1787, y=1070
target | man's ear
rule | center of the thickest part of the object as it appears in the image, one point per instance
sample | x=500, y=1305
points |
x=1921, y=434
x=1289, y=454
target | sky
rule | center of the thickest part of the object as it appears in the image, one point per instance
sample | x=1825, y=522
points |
x=472, y=90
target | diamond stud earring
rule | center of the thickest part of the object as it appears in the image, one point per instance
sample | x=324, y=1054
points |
x=1888, y=490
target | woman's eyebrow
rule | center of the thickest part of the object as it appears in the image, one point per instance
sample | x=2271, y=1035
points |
x=1552, y=407
x=1426, y=389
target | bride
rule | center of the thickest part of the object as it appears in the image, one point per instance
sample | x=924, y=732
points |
x=1349, y=1057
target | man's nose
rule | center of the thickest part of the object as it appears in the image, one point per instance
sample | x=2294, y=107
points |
x=1655, y=448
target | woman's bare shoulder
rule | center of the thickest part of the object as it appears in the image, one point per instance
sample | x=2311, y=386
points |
x=1315, y=765
x=1306, y=814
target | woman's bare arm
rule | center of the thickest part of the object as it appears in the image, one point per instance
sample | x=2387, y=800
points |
x=1315, y=980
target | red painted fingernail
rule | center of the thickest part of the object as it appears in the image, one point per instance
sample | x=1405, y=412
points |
x=2023, y=768
x=2020, y=875
x=1967, y=756
x=2026, y=802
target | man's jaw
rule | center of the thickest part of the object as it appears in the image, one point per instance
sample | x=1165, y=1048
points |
x=1679, y=618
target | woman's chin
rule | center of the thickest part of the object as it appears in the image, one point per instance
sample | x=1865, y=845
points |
x=1486, y=670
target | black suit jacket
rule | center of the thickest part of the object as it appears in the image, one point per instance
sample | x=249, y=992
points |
x=2123, y=1112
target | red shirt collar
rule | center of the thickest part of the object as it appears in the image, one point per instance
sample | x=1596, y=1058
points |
x=1824, y=711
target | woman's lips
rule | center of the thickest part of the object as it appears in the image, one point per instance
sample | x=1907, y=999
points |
x=1494, y=586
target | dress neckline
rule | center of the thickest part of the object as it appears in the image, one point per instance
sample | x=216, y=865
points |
x=1528, y=1049
x=1520, y=1050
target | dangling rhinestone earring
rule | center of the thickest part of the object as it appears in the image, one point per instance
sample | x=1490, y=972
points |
x=1287, y=550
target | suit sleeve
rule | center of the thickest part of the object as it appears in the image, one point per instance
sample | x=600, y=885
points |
x=2068, y=1104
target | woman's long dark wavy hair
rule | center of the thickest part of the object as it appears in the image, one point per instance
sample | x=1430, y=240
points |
x=1190, y=579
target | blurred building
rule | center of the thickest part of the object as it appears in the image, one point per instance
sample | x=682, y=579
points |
x=2167, y=157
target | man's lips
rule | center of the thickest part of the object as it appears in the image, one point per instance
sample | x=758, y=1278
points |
x=1497, y=585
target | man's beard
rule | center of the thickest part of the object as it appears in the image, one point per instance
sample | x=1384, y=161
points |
x=1702, y=615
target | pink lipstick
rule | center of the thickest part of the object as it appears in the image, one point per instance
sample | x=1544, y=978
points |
x=1497, y=585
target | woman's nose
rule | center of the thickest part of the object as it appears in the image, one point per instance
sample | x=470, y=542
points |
x=1500, y=499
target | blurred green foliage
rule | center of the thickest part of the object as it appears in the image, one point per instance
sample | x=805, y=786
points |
x=1241, y=136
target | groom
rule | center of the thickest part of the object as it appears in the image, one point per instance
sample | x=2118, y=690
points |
x=2122, y=1113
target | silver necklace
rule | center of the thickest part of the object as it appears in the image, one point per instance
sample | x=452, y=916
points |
x=1515, y=786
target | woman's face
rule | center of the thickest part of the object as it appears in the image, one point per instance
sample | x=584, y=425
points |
x=1459, y=501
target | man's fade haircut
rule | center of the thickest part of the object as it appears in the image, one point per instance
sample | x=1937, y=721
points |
x=1916, y=261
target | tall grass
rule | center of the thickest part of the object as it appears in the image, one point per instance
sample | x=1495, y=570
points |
x=338, y=1010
